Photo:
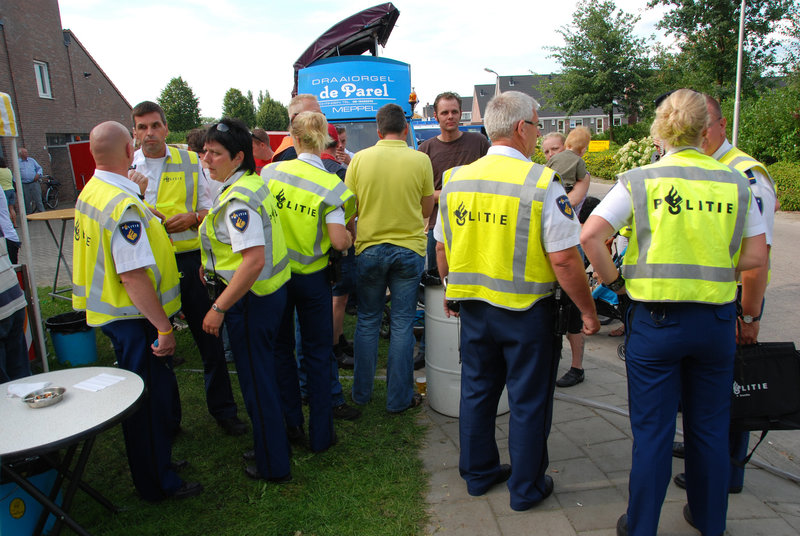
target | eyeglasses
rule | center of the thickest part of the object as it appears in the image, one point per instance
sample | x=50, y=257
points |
x=253, y=134
x=222, y=127
x=529, y=122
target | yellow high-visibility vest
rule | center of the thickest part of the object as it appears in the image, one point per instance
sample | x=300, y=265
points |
x=304, y=194
x=96, y=286
x=688, y=221
x=177, y=194
x=216, y=253
x=491, y=213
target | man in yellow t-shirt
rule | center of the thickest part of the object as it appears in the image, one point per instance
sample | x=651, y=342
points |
x=393, y=184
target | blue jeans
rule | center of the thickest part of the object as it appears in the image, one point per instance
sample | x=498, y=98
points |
x=400, y=269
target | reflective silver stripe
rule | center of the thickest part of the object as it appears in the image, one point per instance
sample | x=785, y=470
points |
x=739, y=159
x=682, y=172
x=78, y=291
x=102, y=217
x=305, y=260
x=308, y=185
x=500, y=285
x=188, y=234
x=187, y=168
x=530, y=193
x=744, y=193
x=679, y=271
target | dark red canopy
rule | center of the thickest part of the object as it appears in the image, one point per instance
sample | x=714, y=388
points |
x=353, y=36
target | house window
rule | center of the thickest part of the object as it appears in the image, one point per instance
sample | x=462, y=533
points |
x=599, y=125
x=466, y=116
x=617, y=121
x=42, y=79
x=541, y=125
x=561, y=125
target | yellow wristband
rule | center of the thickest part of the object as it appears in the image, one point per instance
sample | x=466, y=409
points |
x=165, y=332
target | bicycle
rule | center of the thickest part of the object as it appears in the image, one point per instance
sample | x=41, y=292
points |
x=51, y=194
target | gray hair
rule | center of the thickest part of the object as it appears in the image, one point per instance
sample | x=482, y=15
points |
x=506, y=110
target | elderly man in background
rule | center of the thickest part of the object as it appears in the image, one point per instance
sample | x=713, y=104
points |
x=30, y=172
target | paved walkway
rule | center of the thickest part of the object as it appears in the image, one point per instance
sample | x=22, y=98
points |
x=590, y=448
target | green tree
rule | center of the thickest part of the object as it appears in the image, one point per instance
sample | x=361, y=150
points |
x=236, y=105
x=769, y=125
x=603, y=64
x=707, y=33
x=180, y=105
x=271, y=115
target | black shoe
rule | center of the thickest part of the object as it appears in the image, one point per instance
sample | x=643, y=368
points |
x=296, y=434
x=678, y=449
x=419, y=359
x=178, y=465
x=680, y=481
x=503, y=474
x=345, y=361
x=233, y=426
x=416, y=401
x=188, y=489
x=346, y=413
x=252, y=472
x=622, y=525
x=573, y=376
x=345, y=346
x=548, y=490
x=687, y=515
x=249, y=455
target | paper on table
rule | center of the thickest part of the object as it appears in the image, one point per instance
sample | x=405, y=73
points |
x=101, y=381
x=22, y=389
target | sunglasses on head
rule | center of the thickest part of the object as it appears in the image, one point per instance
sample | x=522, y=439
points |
x=222, y=127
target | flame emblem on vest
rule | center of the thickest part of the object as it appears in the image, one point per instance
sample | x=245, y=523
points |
x=461, y=214
x=674, y=201
x=240, y=219
x=280, y=199
x=131, y=231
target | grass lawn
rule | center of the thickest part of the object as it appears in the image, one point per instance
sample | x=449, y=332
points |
x=371, y=483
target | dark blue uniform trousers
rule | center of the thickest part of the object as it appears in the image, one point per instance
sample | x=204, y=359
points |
x=518, y=349
x=195, y=305
x=252, y=325
x=310, y=295
x=148, y=431
x=679, y=351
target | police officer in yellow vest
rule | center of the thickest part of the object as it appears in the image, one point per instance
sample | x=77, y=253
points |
x=247, y=267
x=176, y=187
x=753, y=282
x=694, y=225
x=125, y=277
x=506, y=235
x=314, y=206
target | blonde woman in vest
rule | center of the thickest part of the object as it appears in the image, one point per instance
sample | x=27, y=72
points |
x=314, y=206
x=694, y=225
x=246, y=268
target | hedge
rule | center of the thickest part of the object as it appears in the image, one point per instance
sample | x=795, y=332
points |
x=787, y=179
x=602, y=165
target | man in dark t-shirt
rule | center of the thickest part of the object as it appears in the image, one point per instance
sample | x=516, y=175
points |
x=449, y=149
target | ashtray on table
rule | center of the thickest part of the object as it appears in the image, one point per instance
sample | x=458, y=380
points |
x=44, y=397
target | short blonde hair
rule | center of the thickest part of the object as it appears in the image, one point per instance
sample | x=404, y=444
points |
x=681, y=119
x=578, y=139
x=310, y=131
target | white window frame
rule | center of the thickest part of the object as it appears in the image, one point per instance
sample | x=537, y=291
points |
x=617, y=121
x=42, y=79
x=599, y=125
x=561, y=126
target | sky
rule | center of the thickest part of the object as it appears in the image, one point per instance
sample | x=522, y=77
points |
x=252, y=44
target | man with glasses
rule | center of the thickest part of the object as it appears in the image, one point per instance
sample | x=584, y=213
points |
x=174, y=189
x=506, y=236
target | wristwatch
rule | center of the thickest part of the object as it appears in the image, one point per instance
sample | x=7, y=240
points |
x=747, y=319
x=617, y=284
x=218, y=309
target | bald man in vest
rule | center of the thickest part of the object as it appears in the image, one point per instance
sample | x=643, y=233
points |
x=126, y=279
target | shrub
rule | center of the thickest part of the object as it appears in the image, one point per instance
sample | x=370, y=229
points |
x=178, y=136
x=538, y=156
x=634, y=154
x=602, y=165
x=623, y=133
x=787, y=179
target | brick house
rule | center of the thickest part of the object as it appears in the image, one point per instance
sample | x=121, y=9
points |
x=551, y=118
x=58, y=90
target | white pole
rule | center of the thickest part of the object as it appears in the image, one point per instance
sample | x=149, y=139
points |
x=739, y=61
x=26, y=250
